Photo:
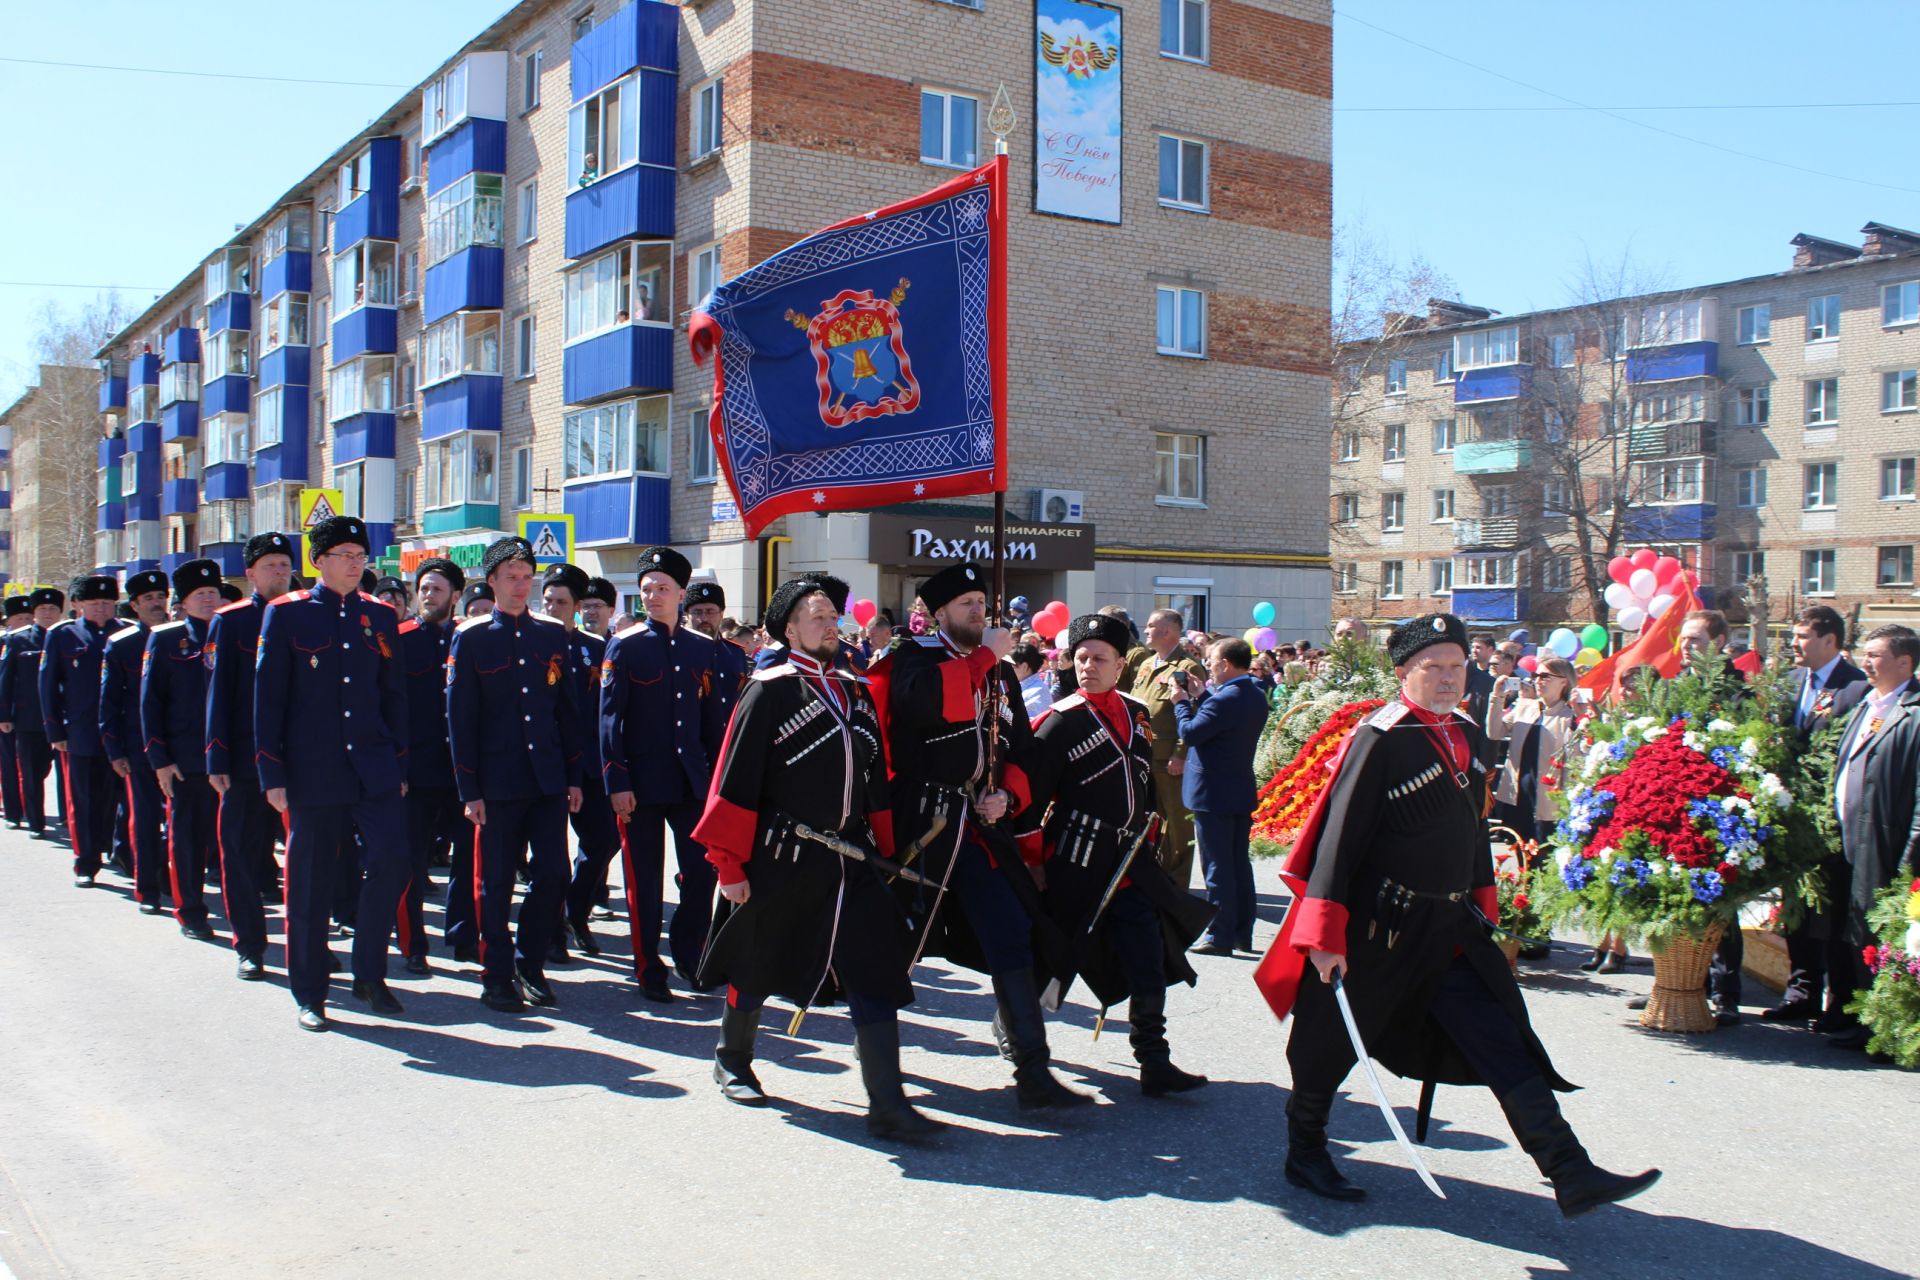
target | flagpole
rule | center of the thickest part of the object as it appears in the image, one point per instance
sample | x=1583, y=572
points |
x=1000, y=122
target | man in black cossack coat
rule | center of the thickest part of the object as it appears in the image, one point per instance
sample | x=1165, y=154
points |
x=1395, y=892
x=797, y=918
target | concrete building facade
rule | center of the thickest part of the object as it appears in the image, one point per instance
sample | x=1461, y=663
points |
x=47, y=484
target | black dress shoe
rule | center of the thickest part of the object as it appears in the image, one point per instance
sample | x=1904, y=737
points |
x=658, y=992
x=313, y=1020
x=557, y=952
x=1726, y=1015
x=378, y=998
x=1159, y=1079
x=536, y=989
x=1211, y=948
x=149, y=908
x=198, y=932
x=250, y=970
x=502, y=998
x=1315, y=1171
x=83, y=882
x=582, y=939
x=1615, y=962
x=1799, y=1010
x=1854, y=1038
x=466, y=953
x=418, y=965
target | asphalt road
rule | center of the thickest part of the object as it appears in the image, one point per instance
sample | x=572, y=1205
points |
x=160, y=1118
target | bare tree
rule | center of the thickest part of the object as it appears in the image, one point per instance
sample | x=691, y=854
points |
x=68, y=427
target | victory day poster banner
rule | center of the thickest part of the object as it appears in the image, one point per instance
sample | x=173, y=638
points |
x=1076, y=161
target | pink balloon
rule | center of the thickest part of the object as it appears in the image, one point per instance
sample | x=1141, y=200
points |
x=1266, y=638
x=1059, y=609
x=864, y=611
x=1665, y=569
x=1645, y=558
x=1620, y=569
x=1048, y=625
x=1528, y=664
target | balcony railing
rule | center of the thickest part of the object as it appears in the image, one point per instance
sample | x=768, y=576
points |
x=1487, y=531
x=1670, y=439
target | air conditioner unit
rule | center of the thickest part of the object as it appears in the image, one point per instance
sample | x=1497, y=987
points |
x=1059, y=506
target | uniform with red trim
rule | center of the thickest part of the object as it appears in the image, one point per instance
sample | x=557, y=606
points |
x=173, y=724
x=800, y=920
x=70, y=701
x=596, y=834
x=519, y=748
x=122, y=740
x=330, y=731
x=1090, y=771
x=20, y=704
x=435, y=817
x=1394, y=879
x=16, y=609
x=663, y=715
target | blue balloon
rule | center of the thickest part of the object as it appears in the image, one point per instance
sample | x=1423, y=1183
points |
x=1564, y=642
x=1263, y=614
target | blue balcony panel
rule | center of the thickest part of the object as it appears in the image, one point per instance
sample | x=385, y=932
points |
x=471, y=280
x=624, y=509
x=174, y=559
x=225, y=482
x=6, y=499
x=1681, y=360
x=1491, y=457
x=144, y=505
x=635, y=203
x=375, y=213
x=231, y=394
x=632, y=358
x=146, y=466
x=109, y=451
x=1681, y=522
x=477, y=146
x=140, y=566
x=282, y=462
x=368, y=329
x=287, y=367
x=181, y=347
x=1489, y=604
x=364, y=435
x=1485, y=386
x=291, y=272
x=230, y=556
x=143, y=437
x=111, y=515
x=381, y=536
x=230, y=311
x=180, y=421
x=180, y=497
x=471, y=515
x=143, y=370
x=645, y=33
x=467, y=403
x=113, y=392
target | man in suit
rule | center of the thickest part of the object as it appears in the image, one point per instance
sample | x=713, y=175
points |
x=1825, y=688
x=1159, y=676
x=1873, y=793
x=1479, y=677
x=1221, y=729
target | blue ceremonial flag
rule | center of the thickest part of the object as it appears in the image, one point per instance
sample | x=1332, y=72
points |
x=866, y=365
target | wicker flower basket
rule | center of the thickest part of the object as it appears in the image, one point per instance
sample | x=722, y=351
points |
x=1679, y=999
x=1510, y=948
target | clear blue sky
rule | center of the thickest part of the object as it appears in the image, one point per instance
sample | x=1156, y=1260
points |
x=131, y=179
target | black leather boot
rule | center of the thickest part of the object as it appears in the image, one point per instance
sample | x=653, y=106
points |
x=733, y=1059
x=1579, y=1185
x=1027, y=1032
x=889, y=1114
x=1147, y=1030
x=1308, y=1164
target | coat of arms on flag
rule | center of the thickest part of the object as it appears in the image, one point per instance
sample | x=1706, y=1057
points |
x=833, y=389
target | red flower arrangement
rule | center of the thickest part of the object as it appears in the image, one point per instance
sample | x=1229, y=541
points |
x=1287, y=799
x=1652, y=794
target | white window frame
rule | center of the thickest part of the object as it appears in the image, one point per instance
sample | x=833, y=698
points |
x=1396, y=377
x=1748, y=564
x=471, y=210
x=531, y=67
x=1393, y=579
x=357, y=277
x=1349, y=446
x=1754, y=324
x=1393, y=511
x=527, y=210
x=1443, y=506
x=226, y=354
x=1393, y=442
x=1170, y=322
x=1348, y=507
x=703, y=467
x=1500, y=572
x=1899, y=391
x=443, y=103
x=1820, y=486
x=1819, y=567
x=526, y=338
x=269, y=417
x=1346, y=577
x=1180, y=451
x=942, y=101
x=290, y=230
x=1823, y=318
x=624, y=115
x=522, y=457
x=355, y=178
x=1823, y=399
x=706, y=127
x=616, y=436
x=1750, y=487
x=1556, y=573
x=1899, y=304
x=1663, y=324
x=1556, y=497
x=1903, y=558
x=1440, y=576
x=1753, y=406
x=599, y=289
x=364, y=384
x=1562, y=351
x=1180, y=11
x=1487, y=348
x=466, y=342
x=1496, y=501
x=228, y=271
x=1446, y=434
x=1182, y=198
x=461, y=469
x=179, y=382
x=351, y=480
x=1897, y=479
x=225, y=438
x=1443, y=364
x=277, y=322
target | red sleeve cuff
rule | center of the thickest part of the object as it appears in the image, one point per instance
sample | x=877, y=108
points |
x=956, y=688
x=881, y=821
x=1320, y=925
x=1015, y=782
x=727, y=830
x=1487, y=898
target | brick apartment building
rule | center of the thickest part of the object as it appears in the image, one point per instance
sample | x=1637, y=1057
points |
x=47, y=484
x=1764, y=430
x=476, y=308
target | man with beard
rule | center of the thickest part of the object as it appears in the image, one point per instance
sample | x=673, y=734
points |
x=123, y=741
x=70, y=701
x=801, y=920
x=173, y=718
x=594, y=829
x=934, y=699
x=20, y=710
x=19, y=609
x=1394, y=880
x=245, y=823
x=434, y=815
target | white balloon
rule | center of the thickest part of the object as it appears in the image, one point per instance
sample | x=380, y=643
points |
x=1618, y=595
x=1643, y=584
x=1660, y=605
x=1633, y=618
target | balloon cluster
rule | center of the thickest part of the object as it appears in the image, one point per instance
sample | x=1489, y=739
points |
x=1583, y=648
x=1261, y=634
x=1052, y=620
x=1645, y=585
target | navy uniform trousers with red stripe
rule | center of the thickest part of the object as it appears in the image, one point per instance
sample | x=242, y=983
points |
x=173, y=708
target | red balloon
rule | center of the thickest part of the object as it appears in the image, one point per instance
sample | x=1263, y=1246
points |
x=864, y=611
x=1528, y=664
x=1059, y=609
x=1048, y=625
x=1645, y=558
x=1666, y=569
x=1620, y=569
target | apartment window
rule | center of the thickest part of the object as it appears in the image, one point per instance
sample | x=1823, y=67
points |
x=461, y=468
x=405, y=510
x=1822, y=487
x=1486, y=348
x=351, y=482
x=1899, y=391
x=1555, y=499
x=1896, y=567
x=364, y=276
x=1394, y=441
x=523, y=477
x=1443, y=435
x=708, y=117
x=465, y=342
x=1748, y=565
x=1823, y=318
x=1181, y=322
x=582, y=26
x=1896, y=479
x=705, y=269
x=223, y=438
x=1817, y=572
x=1349, y=446
x=1612, y=417
x=1348, y=506
x=530, y=67
x=1899, y=303
x=603, y=132
x=1556, y=573
x=1753, y=407
x=283, y=322
x=360, y=386
x=627, y=286
x=1392, y=579
x=1553, y=425
x=1183, y=29
x=1442, y=505
x=1667, y=323
x=1440, y=577
x=1823, y=402
x=1615, y=336
x=226, y=354
x=268, y=420
x=1183, y=172
x=443, y=104
x=949, y=129
x=407, y=384
x=616, y=439
x=229, y=272
x=1756, y=324
x=701, y=467
x=179, y=382
x=1490, y=571
x=1393, y=512
x=290, y=230
x=1560, y=350
x=1443, y=365
x=1496, y=500
x=1396, y=377
x=356, y=177
x=466, y=212
x=1671, y=481
x=1750, y=487
x=528, y=210
x=1346, y=577
x=523, y=352
x=1179, y=467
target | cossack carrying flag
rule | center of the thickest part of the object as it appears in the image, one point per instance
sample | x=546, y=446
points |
x=866, y=364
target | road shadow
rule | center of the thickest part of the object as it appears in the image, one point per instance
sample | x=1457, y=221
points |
x=530, y=1065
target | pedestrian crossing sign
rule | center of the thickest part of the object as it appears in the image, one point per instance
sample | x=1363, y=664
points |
x=315, y=505
x=551, y=536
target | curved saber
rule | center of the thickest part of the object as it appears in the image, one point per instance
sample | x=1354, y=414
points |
x=1380, y=1094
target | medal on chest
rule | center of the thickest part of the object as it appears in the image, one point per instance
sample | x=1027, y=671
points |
x=553, y=669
